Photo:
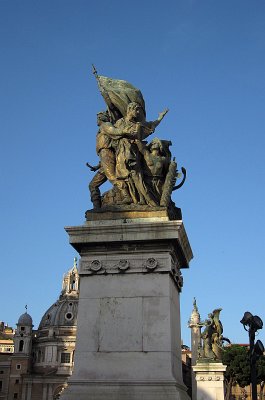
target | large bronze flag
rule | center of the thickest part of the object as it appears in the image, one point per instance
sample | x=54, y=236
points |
x=118, y=94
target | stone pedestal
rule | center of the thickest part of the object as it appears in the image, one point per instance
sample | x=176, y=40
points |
x=128, y=330
x=210, y=380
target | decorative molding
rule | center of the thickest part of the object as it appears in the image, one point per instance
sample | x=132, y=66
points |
x=151, y=264
x=130, y=263
x=110, y=236
x=95, y=266
x=208, y=378
x=178, y=278
x=123, y=265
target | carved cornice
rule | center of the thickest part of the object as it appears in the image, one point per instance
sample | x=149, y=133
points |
x=97, y=236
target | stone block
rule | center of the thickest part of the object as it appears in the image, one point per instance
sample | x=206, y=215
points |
x=156, y=324
x=121, y=324
x=128, y=333
x=210, y=380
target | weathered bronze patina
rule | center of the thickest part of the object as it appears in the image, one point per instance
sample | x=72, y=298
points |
x=212, y=337
x=142, y=174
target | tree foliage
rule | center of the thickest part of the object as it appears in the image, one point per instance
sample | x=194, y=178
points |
x=261, y=369
x=237, y=360
x=238, y=368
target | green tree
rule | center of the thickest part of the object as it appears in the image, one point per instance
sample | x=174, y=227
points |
x=238, y=369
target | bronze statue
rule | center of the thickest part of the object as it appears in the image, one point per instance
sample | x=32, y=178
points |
x=140, y=173
x=212, y=337
x=106, y=167
x=156, y=160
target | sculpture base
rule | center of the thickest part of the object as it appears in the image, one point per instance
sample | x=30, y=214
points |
x=128, y=334
x=125, y=391
x=134, y=211
x=210, y=380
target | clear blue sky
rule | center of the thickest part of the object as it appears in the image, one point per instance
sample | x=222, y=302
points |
x=205, y=60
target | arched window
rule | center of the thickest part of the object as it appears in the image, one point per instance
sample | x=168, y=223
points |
x=21, y=345
x=73, y=285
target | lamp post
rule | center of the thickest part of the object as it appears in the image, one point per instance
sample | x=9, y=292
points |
x=252, y=324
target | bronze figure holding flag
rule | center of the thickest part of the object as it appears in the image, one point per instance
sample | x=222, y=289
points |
x=140, y=174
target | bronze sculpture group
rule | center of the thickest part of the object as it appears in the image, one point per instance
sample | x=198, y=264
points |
x=141, y=173
x=212, y=337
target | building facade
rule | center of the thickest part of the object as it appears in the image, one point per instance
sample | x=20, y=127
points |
x=43, y=359
x=6, y=338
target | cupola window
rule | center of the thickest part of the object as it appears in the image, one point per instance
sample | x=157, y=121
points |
x=69, y=316
x=73, y=285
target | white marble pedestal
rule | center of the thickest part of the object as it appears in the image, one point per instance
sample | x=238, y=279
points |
x=128, y=331
x=210, y=380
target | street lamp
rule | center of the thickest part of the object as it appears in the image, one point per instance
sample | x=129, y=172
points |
x=252, y=324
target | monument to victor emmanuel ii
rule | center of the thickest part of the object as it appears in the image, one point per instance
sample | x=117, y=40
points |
x=132, y=247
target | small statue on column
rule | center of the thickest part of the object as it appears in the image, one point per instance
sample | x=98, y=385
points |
x=212, y=337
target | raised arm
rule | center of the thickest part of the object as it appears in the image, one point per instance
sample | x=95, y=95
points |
x=160, y=117
x=151, y=126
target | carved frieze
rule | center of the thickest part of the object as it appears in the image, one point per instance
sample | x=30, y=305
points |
x=209, y=378
x=123, y=265
x=92, y=267
x=151, y=264
x=130, y=264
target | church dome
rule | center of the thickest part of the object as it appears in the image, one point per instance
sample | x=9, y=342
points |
x=54, y=341
x=25, y=319
x=61, y=313
x=64, y=311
